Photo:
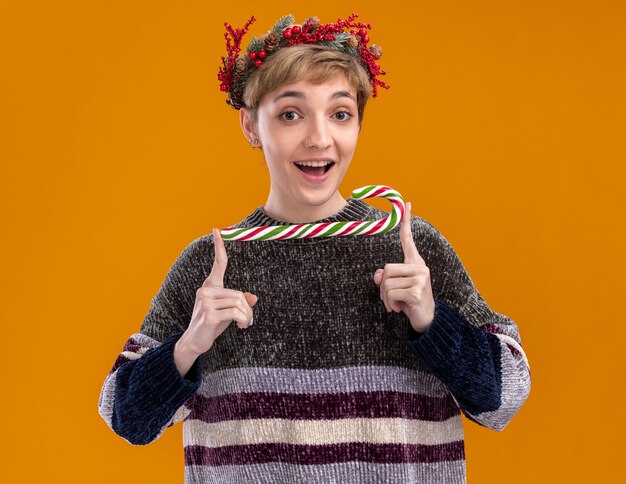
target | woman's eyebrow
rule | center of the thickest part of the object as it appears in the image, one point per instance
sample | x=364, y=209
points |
x=296, y=94
x=339, y=94
x=301, y=95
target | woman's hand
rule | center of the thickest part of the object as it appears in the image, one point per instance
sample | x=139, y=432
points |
x=406, y=287
x=215, y=308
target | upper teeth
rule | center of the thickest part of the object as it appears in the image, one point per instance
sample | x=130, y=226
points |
x=314, y=163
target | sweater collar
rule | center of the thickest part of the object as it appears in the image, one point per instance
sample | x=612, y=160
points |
x=353, y=210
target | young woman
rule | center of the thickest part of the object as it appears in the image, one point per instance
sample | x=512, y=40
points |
x=339, y=359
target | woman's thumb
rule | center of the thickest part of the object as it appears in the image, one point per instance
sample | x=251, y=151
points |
x=250, y=298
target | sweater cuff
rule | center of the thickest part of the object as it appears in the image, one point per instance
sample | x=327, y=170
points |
x=149, y=391
x=441, y=340
x=165, y=379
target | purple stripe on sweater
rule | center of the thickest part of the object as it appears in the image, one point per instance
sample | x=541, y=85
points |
x=323, y=454
x=119, y=361
x=132, y=346
x=318, y=406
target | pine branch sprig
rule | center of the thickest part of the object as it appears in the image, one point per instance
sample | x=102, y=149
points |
x=283, y=23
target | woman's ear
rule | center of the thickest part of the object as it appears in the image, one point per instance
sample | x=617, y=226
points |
x=247, y=124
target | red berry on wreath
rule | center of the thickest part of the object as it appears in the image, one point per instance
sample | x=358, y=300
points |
x=287, y=34
x=258, y=62
x=296, y=29
x=362, y=32
x=252, y=55
x=262, y=54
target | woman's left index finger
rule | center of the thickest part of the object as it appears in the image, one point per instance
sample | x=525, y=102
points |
x=411, y=255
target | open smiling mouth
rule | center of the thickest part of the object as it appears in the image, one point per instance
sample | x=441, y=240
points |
x=315, y=168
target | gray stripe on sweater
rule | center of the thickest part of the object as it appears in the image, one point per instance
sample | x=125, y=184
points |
x=344, y=473
x=107, y=399
x=336, y=380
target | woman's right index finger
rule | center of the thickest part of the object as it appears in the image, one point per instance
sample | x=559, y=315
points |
x=216, y=277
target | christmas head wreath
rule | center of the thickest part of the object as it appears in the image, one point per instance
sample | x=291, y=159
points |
x=345, y=35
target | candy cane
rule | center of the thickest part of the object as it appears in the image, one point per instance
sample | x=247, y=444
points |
x=328, y=229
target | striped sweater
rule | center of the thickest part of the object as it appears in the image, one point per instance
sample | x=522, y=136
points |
x=326, y=386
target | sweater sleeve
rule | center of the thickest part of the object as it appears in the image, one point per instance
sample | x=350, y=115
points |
x=475, y=351
x=144, y=393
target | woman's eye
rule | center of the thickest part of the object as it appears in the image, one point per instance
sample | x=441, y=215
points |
x=343, y=115
x=289, y=115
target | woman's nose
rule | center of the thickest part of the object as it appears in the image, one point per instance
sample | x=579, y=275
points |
x=318, y=135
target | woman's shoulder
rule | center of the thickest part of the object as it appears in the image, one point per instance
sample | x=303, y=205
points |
x=195, y=255
x=202, y=247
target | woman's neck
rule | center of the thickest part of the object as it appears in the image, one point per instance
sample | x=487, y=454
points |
x=304, y=213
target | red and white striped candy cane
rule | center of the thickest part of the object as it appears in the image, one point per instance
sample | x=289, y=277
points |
x=328, y=229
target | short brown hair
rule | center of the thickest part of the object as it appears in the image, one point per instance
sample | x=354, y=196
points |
x=315, y=63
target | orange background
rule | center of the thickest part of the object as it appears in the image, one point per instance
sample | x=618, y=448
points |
x=504, y=126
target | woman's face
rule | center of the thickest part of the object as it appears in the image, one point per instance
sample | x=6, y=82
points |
x=300, y=124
